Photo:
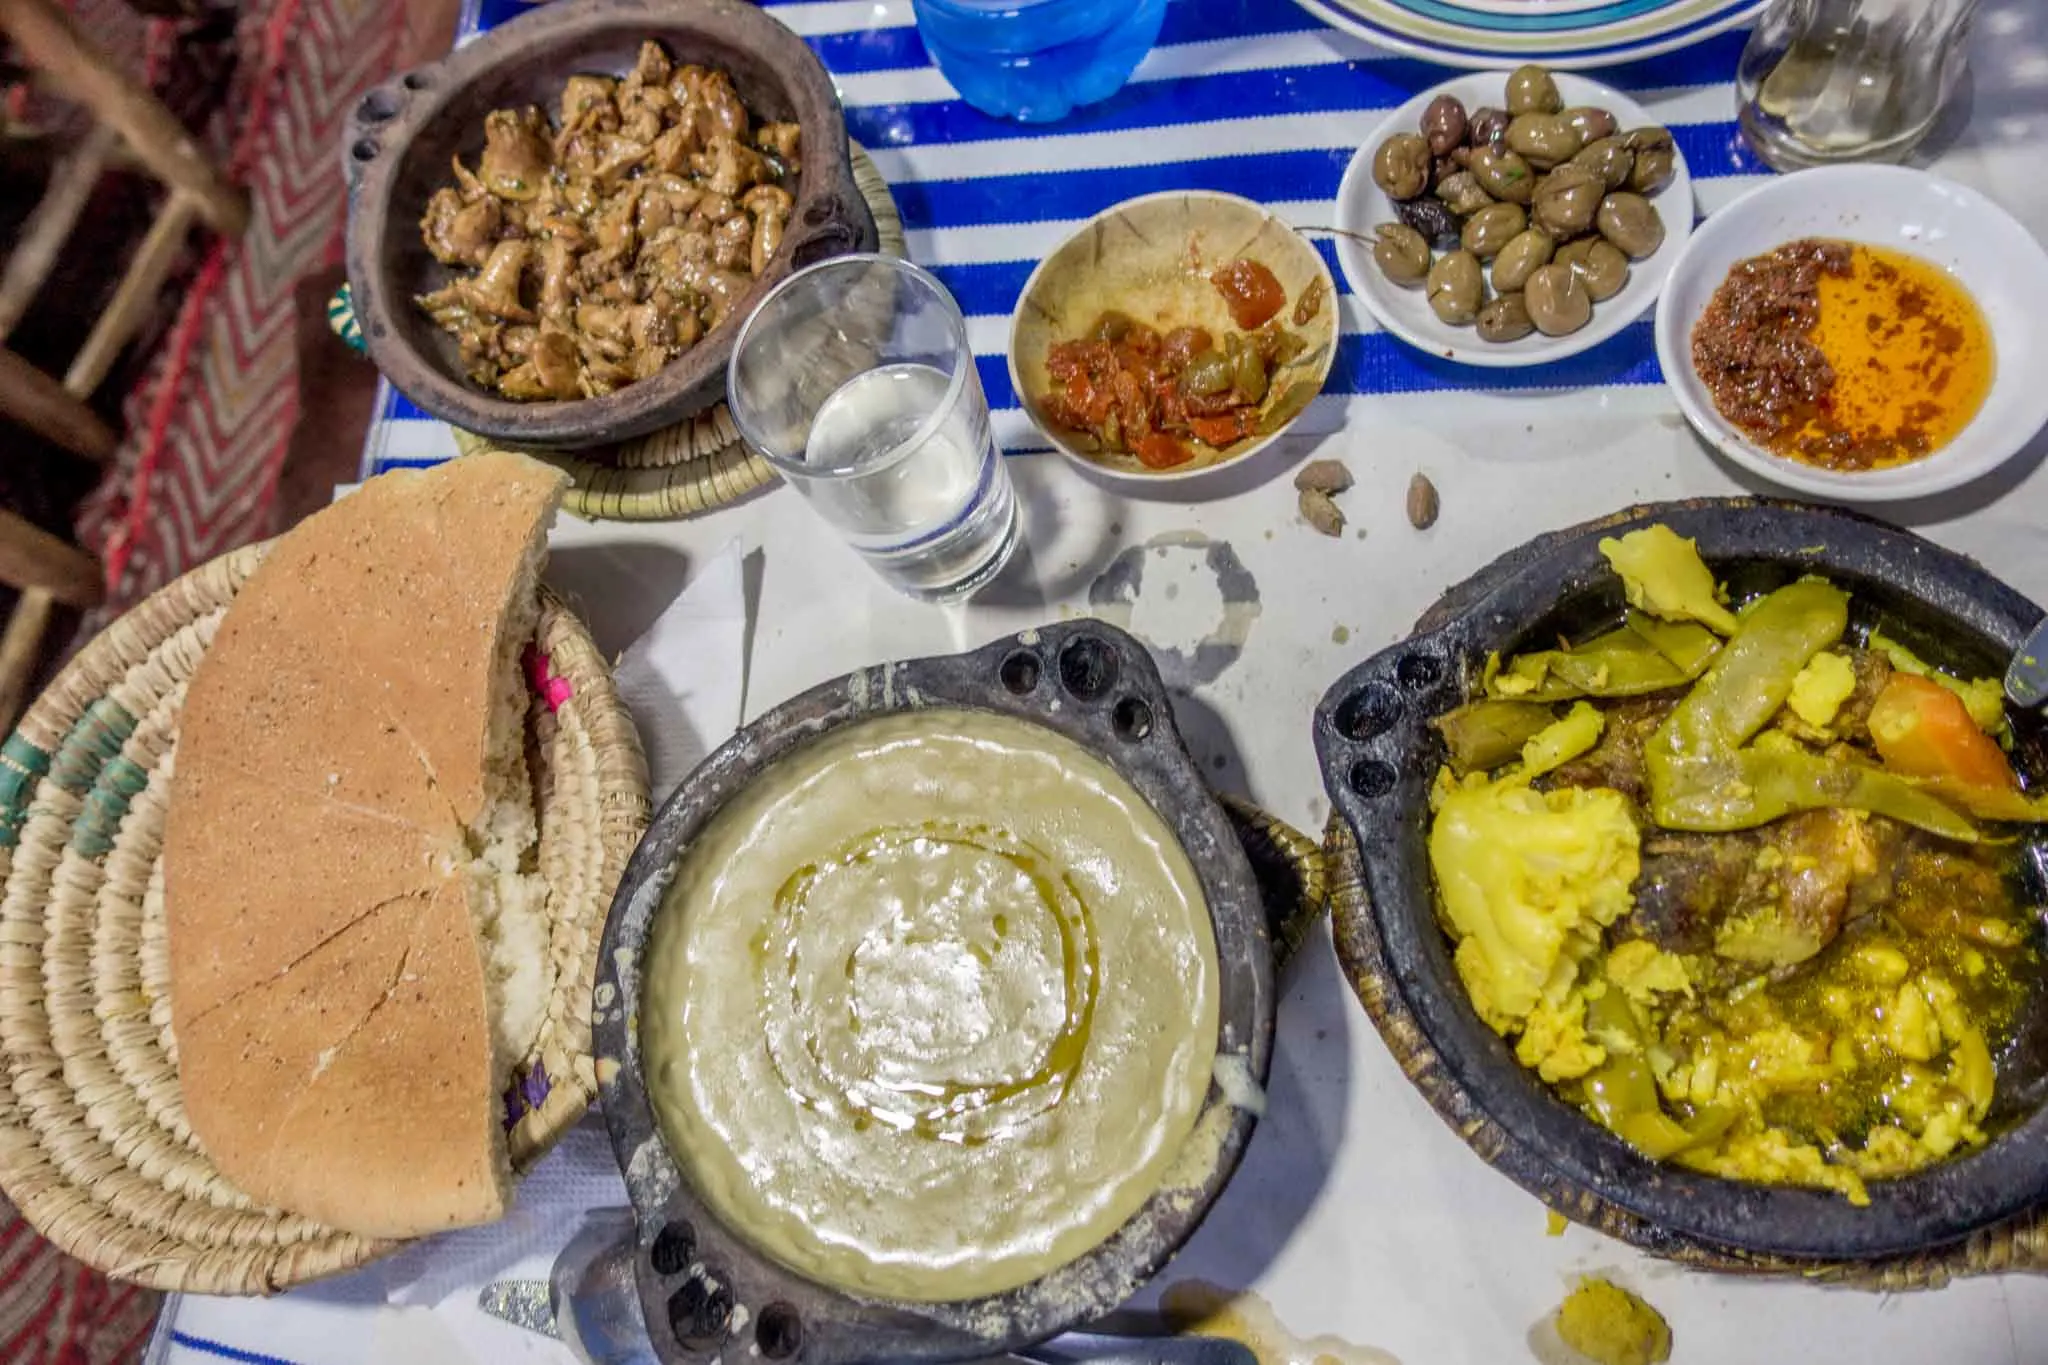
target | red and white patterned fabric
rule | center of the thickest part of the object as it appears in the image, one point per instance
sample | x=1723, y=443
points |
x=209, y=424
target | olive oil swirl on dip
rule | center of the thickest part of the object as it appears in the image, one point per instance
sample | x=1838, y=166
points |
x=931, y=1006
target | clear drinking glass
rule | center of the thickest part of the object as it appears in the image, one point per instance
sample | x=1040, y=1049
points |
x=854, y=379
x=1827, y=81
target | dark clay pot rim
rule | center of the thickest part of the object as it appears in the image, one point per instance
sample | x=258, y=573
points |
x=1378, y=759
x=1096, y=686
x=829, y=216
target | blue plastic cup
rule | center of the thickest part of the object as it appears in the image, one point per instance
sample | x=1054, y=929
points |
x=1037, y=60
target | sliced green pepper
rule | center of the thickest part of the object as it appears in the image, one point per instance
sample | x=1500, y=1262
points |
x=1484, y=735
x=1689, y=645
x=1752, y=675
x=1622, y=663
x=1712, y=793
x=1623, y=1094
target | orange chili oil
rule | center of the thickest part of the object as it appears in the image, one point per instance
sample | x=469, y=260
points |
x=1845, y=356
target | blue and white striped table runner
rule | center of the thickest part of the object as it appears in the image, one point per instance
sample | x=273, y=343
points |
x=1254, y=97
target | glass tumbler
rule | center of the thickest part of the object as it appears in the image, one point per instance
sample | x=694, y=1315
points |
x=853, y=378
x=1037, y=60
x=1827, y=81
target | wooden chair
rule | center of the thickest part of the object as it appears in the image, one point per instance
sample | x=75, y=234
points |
x=130, y=128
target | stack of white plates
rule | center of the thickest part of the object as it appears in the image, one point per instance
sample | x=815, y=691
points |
x=1559, y=33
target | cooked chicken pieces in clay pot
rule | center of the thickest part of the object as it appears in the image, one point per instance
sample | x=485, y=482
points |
x=594, y=247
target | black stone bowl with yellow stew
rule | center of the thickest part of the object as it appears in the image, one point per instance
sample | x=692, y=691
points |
x=1702, y=873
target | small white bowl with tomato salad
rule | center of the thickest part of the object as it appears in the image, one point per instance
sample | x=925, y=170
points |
x=1173, y=334
x=1860, y=333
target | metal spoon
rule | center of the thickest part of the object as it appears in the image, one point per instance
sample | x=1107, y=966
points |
x=1090, y=1348
x=2026, y=680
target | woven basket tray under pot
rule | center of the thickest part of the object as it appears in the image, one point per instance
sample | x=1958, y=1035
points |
x=95, y=1149
x=2020, y=1244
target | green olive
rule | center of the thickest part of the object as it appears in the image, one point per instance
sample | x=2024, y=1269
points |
x=1519, y=259
x=1462, y=192
x=1456, y=286
x=1492, y=228
x=1401, y=166
x=1647, y=139
x=1593, y=124
x=1401, y=253
x=1505, y=319
x=1503, y=174
x=1608, y=159
x=1532, y=91
x=1557, y=300
x=1568, y=201
x=1544, y=140
x=1632, y=223
x=1599, y=263
x=1654, y=167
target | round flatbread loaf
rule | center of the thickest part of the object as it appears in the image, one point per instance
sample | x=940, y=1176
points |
x=358, y=951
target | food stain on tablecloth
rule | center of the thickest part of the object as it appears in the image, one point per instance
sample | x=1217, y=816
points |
x=1198, y=1307
x=1188, y=597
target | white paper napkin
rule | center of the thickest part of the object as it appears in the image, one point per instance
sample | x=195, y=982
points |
x=683, y=682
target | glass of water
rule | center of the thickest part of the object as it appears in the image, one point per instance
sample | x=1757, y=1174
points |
x=854, y=379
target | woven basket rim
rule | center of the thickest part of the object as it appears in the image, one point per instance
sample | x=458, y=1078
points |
x=174, y=1224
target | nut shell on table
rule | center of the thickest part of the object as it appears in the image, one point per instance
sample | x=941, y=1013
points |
x=1423, y=503
x=1632, y=223
x=1599, y=263
x=1492, y=228
x=1456, y=285
x=1609, y=158
x=1567, y=201
x=1557, y=300
x=1401, y=253
x=1487, y=127
x=1505, y=318
x=1462, y=193
x=1592, y=124
x=1430, y=217
x=1443, y=124
x=1320, y=512
x=1525, y=252
x=1401, y=165
x=1532, y=90
x=1504, y=174
x=1323, y=476
x=1543, y=140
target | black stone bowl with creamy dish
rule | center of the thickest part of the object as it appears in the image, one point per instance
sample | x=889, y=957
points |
x=1379, y=757
x=711, y=1288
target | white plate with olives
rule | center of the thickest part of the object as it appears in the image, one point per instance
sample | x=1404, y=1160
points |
x=1513, y=218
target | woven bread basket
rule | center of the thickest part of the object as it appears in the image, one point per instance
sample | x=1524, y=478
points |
x=2020, y=1244
x=95, y=1149
x=700, y=463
